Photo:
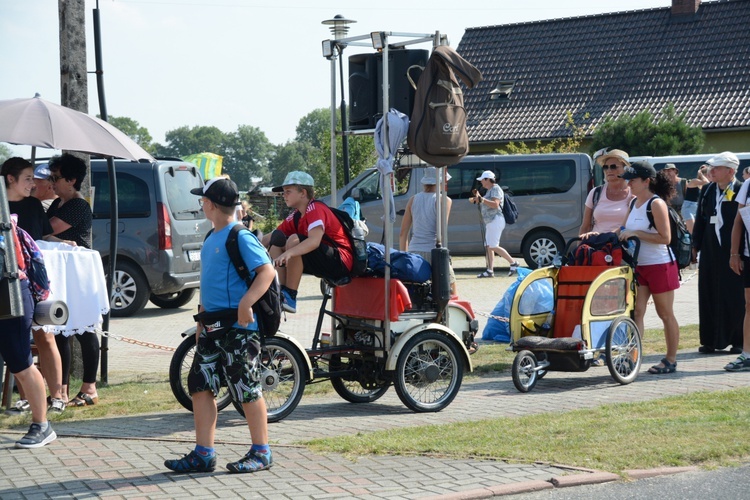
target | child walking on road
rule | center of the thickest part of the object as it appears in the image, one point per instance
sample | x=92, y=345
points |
x=229, y=346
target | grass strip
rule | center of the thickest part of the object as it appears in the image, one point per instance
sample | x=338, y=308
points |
x=708, y=428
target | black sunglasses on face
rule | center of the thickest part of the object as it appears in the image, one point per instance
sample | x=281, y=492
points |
x=610, y=167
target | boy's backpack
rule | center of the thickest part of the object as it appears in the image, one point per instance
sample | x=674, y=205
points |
x=510, y=210
x=267, y=308
x=34, y=266
x=680, y=244
x=354, y=233
x=437, y=128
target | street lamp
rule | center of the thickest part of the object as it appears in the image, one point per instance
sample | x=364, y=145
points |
x=339, y=27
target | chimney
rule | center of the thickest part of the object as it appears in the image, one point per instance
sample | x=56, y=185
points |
x=685, y=7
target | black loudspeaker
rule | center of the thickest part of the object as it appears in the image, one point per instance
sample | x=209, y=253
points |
x=365, y=89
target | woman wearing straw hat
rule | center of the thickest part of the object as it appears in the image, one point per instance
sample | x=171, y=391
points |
x=607, y=205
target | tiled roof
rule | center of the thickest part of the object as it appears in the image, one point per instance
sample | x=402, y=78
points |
x=607, y=65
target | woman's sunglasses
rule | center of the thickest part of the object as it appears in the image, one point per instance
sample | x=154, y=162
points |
x=610, y=167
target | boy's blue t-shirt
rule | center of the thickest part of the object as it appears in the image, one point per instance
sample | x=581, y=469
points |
x=221, y=286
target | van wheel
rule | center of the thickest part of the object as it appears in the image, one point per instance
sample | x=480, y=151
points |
x=541, y=247
x=173, y=300
x=130, y=291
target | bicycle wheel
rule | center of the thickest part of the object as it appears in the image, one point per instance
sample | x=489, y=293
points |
x=429, y=372
x=623, y=350
x=283, y=378
x=179, y=367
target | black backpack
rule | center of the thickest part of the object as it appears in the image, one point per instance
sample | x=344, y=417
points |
x=680, y=244
x=359, y=245
x=267, y=308
x=510, y=210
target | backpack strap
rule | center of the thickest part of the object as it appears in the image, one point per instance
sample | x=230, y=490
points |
x=683, y=186
x=233, y=249
x=595, y=201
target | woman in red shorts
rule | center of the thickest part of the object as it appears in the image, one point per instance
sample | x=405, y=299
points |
x=657, y=271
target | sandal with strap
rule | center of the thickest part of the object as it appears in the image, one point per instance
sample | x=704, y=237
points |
x=661, y=370
x=486, y=274
x=83, y=399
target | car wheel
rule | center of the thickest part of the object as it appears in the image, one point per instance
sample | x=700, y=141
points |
x=541, y=248
x=130, y=290
x=173, y=300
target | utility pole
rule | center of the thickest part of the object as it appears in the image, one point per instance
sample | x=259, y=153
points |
x=74, y=95
x=73, y=69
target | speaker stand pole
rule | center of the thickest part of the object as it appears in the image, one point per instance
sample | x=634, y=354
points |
x=334, y=201
x=344, y=122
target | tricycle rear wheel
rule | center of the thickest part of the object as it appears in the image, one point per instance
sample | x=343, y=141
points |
x=363, y=388
x=179, y=367
x=429, y=372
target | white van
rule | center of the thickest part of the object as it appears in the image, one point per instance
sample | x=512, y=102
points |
x=549, y=190
x=688, y=165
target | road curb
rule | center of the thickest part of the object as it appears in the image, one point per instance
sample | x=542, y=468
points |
x=659, y=471
x=583, y=479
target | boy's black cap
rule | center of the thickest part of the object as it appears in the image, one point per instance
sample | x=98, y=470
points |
x=219, y=190
x=639, y=170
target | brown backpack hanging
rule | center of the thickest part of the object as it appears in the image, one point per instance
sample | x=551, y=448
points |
x=437, y=130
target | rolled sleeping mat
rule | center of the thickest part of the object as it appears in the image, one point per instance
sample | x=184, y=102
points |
x=51, y=312
x=441, y=286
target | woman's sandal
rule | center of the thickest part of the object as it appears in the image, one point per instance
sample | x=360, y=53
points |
x=473, y=347
x=83, y=399
x=661, y=370
x=486, y=274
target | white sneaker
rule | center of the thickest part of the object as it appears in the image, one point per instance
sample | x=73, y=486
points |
x=21, y=406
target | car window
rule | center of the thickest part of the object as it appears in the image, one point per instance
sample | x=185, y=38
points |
x=182, y=204
x=132, y=196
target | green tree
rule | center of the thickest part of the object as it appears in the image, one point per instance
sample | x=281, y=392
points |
x=645, y=135
x=5, y=152
x=135, y=131
x=290, y=156
x=314, y=139
x=247, y=153
x=186, y=140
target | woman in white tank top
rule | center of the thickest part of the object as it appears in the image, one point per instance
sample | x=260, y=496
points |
x=657, y=271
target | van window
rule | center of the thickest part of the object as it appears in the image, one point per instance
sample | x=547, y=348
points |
x=524, y=178
x=132, y=196
x=184, y=206
x=369, y=186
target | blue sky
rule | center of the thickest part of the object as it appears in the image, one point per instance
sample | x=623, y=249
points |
x=171, y=63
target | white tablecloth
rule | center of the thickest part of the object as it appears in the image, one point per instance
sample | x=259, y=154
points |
x=76, y=277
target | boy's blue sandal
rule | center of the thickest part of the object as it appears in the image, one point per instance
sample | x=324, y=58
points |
x=192, y=462
x=661, y=370
x=253, y=461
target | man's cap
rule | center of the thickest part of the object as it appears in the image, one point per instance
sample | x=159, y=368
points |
x=671, y=166
x=615, y=153
x=487, y=174
x=219, y=190
x=295, y=177
x=725, y=159
x=639, y=170
x=42, y=172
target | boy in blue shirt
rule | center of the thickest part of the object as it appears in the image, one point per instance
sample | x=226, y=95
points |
x=232, y=352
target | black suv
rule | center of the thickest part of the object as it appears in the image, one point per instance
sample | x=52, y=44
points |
x=160, y=232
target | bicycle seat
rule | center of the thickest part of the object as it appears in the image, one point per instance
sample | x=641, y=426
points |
x=339, y=282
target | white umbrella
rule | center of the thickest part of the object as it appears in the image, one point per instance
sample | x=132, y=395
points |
x=39, y=123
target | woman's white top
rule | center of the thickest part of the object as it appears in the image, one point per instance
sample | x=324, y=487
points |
x=650, y=253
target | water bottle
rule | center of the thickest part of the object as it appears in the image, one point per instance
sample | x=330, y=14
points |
x=627, y=245
x=547, y=325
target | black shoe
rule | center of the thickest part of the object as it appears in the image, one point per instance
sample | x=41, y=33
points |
x=706, y=350
x=735, y=350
